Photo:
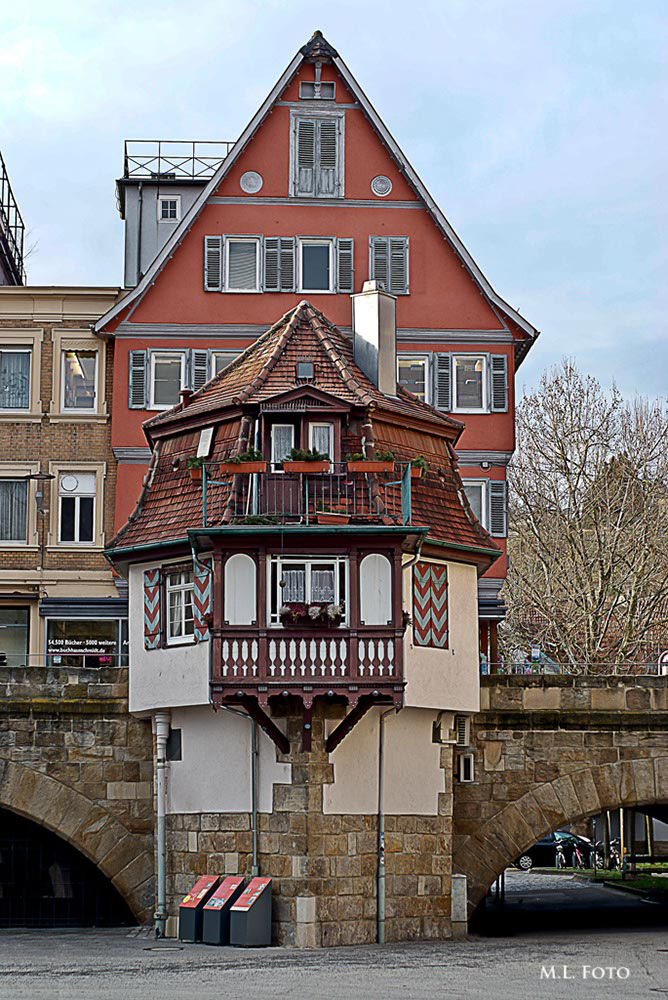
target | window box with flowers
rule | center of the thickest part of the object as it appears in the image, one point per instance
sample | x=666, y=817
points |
x=306, y=460
x=383, y=461
x=249, y=461
x=317, y=614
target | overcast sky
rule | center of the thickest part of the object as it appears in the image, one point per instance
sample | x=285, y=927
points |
x=539, y=127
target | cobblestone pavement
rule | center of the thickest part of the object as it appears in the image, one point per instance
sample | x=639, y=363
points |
x=517, y=881
x=111, y=965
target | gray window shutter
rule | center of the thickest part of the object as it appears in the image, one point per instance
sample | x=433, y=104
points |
x=499, y=382
x=345, y=249
x=137, y=380
x=287, y=263
x=213, y=263
x=498, y=521
x=199, y=369
x=327, y=160
x=305, y=140
x=442, y=394
x=398, y=265
x=272, y=267
x=379, y=253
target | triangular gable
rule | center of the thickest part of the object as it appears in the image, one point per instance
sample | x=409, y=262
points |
x=317, y=47
x=306, y=395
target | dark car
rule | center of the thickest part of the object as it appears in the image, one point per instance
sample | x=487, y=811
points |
x=544, y=852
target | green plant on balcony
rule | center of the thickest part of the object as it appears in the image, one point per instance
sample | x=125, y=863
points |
x=332, y=513
x=306, y=460
x=195, y=469
x=258, y=519
x=418, y=466
x=247, y=461
x=382, y=461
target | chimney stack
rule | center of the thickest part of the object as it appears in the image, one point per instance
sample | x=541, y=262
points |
x=375, y=335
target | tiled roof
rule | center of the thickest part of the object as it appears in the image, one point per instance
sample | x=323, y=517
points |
x=171, y=502
x=268, y=367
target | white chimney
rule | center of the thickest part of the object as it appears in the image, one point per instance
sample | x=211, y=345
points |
x=375, y=335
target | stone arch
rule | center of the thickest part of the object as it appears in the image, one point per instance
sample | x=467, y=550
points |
x=482, y=856
x=126, y=858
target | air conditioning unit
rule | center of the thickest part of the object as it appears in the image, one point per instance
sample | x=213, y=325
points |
x=462, y=730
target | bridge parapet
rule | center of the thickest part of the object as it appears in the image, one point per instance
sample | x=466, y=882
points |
x=564, y=694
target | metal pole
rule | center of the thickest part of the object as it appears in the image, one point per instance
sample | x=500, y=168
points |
x=161, y=735
x=254, y=772
x=380, y=883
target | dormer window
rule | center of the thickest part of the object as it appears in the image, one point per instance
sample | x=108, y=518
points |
x=305, y=371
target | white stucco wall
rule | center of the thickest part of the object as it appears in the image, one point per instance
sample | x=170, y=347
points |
x=413, y=775
x=162, y=678
x=447, y=678
x=215, y=770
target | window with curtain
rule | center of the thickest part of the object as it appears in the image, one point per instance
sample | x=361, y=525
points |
x=282, y=442
x=293, y=584
x=79, y=380
x=14, y=380
x=242, y=265
x=13, y=510
x=321, y=437
x=306, y=581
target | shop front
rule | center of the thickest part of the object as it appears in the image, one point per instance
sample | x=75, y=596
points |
x=86, y=634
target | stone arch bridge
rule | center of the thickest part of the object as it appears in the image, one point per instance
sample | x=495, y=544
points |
x=551, y=750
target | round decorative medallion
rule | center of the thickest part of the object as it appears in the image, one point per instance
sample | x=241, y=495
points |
x=68, y=483
x=251, y=182
x=381, y=185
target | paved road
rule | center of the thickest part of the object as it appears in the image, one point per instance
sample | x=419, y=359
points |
x=109, y=965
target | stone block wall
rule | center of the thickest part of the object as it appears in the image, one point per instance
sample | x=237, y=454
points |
x=324, y=866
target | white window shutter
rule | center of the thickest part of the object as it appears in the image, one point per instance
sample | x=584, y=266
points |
x=137, y=380
x=213, y=263
x=272, y=273
x=345, y=265
x=398, y=265
x=379, y=265
x=199, y=369
x=442, y=389
x=327, y=148
x=287, y=263
x=305, y=161
x=498, y=517
x=499, y=383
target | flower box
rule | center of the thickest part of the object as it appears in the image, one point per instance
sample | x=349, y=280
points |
x=332, y=517
x=311, y=615
x=370, y=466
x=242, y=468
x=305, y=467
x=416, y=471
x=196, y=474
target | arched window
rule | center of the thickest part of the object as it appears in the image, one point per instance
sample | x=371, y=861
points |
x=375, y=590
x=240, y=590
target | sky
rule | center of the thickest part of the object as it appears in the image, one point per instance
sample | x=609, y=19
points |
x=539, y=127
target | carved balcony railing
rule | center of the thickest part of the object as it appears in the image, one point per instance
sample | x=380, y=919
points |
x=317, y=660
x=335, y=496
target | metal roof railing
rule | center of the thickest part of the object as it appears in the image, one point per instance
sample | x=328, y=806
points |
x=12, y=229
x=173, y=159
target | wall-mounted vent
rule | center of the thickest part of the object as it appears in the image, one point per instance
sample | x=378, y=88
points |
x=462, y=730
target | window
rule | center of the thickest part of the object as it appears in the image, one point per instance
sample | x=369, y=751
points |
x=315, y=265
x=476, y=494
x=167, y=379
x=13, y=510
x=82, y=642
x=77, y=507
x=221, y=359
x=462, y=730
x=412, y=374
x=180, y=615
x=79, y=386
x=282, y=442
x=14, y=634
x=242, y=264
x=488, y=500
x=317, y=155
x=305, y=370
x=15, y=379
x=470, y=385
x=388, y=262
x=307, y=581
x=466, y=767
x=321, y=438
x=169, y=209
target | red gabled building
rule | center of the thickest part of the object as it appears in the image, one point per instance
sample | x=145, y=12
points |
x=312, y=200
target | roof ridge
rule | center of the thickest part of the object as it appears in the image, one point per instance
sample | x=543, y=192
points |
x=319, y=328
x=279, y=348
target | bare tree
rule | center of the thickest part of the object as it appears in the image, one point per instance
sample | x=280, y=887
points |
x=588, y=539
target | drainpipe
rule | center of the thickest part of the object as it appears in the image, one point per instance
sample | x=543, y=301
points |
x=380, y=879
x=140, y=212
x=161, y=734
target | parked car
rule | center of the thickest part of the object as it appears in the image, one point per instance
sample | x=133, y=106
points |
x=544, y=852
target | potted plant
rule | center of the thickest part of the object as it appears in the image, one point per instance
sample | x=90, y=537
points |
x=306, y=460
x=195, y=469
x=246, y=462
x=334, y=514
x=382, y=461
x=418, y=466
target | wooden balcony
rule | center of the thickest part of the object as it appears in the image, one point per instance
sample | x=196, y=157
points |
x=309, y=662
